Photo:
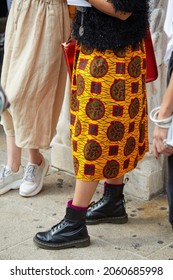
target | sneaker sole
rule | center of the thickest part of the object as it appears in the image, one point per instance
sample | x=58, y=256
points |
x=77, y=243
x=12, y=186
x=112, y=220
x=40, y=186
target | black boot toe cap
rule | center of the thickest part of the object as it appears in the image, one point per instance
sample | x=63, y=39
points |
x=43, y=236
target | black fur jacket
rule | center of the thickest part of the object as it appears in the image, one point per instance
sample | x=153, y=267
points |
x=105, y=32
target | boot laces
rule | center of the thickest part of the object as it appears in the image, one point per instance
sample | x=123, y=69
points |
x=94, y=204
x=59, y=225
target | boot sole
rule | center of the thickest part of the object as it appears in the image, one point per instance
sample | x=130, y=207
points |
x=112, y=220
x=77, y=243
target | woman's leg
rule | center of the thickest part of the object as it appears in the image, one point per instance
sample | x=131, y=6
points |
x=13, y=154
x=34, y=156
x=115, y=181
x=35, y=172
x=84, y=192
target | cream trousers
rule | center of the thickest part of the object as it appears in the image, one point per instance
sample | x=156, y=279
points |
x=34, y=70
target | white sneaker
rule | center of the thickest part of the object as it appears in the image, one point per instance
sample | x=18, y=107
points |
x=33, y=179
x=10, y=180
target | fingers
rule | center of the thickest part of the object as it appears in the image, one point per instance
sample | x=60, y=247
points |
x=168, y=150
x=159, y=145
x=160, y=148
x=156, y=153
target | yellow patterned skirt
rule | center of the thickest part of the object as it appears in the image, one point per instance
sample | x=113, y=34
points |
x=109, y=123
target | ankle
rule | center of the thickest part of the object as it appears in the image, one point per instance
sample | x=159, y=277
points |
x=35, y=157
x=14, y=168
x=115, y=192
x=36, y=161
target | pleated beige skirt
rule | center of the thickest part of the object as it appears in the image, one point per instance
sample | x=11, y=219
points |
x=34, y=70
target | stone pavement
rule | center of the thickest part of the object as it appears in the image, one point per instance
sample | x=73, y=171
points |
x=147, y=235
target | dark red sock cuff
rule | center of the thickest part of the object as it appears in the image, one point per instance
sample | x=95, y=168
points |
x=77, y=208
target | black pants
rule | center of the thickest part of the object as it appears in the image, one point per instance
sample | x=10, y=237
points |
x=170, y=158
x=170, y=188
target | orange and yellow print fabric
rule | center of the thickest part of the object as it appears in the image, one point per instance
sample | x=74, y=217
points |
x=109, y=122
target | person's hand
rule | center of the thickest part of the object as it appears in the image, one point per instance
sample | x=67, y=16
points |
x=158, y=146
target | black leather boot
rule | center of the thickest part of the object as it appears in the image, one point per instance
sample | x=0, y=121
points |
x=70, y=232
x=110, y=208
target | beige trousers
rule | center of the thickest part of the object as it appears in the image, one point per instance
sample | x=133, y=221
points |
x=34, y=70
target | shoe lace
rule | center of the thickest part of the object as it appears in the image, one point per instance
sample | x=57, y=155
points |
x=30, y=172
x=4, y=172
x=94, y=204
x=59, y=225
